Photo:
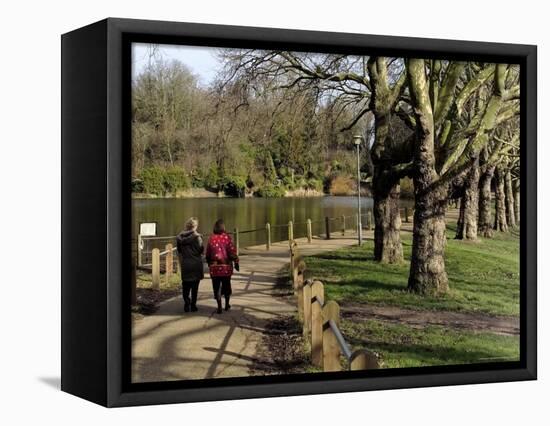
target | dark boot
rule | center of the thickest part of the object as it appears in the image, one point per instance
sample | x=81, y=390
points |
x=185, y=293
x=219, y=301
x=227, y=305
x=194, y=293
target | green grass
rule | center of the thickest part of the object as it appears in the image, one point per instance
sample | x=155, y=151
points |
x=483, y=276
x=401, y=346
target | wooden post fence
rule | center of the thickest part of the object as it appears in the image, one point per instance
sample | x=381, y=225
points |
x=343, y=225
x=363, y=360
x=290, y=232
x=237, y=242
x=317, y=296
x=327, y=227
x=306, y=301
x=169, y=265
x=331, y=347
x=321, y=325
x=309, y=235
x=156, y=269
x=139, y=250
x=267, y=236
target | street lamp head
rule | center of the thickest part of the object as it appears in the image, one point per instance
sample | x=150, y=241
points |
x=357, y=140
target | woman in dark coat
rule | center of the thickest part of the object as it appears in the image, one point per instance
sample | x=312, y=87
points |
x=190, y=249
x=220, y=255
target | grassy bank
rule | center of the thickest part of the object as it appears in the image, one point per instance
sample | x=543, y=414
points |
x=483, y=280
x=483, y=276
x=400, y=346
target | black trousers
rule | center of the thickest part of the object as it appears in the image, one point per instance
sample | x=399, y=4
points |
x=190, y=287
x=221, y=286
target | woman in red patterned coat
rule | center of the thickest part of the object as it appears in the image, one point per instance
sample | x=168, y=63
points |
x=220, y=256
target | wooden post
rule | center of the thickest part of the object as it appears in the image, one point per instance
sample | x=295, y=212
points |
x=156, y=269
x=267, y=236
x=317, y=298
x=307, y=308
x=357, y=222
x=290, y=232
x=169, y=262
x=309, y=235
x=369, y=220
x=139, y=250
x=331, y=348
x=327, y=227
x=299, y=284
x=406, y=214
x=236, y=234
x=363, y=359
x=293, y=254
x=343, y=225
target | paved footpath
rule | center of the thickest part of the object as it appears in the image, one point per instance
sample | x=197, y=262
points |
x=174, y=345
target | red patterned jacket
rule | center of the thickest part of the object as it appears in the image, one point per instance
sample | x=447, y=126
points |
x=220, y=255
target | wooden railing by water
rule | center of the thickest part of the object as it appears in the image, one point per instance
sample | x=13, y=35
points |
x=152, y=258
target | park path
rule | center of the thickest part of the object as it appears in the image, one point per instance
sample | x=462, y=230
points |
x=174, y=345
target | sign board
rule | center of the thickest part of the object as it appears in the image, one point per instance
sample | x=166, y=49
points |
x=148, y=229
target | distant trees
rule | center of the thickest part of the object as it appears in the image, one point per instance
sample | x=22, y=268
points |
x=233, y=138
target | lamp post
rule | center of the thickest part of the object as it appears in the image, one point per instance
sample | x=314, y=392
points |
x=357, y=139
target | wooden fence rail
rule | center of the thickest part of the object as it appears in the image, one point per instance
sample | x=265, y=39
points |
x=321, y=324
x=329, y=228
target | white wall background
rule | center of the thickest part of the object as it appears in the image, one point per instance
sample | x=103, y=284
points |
x=30, y=211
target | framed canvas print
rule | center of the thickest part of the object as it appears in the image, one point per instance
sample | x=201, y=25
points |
x=253, y=212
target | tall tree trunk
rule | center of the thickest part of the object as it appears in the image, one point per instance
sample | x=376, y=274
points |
x=427, y=273
x=469, y=205
x=385, y=185
x=516, y=200
x=485, y=213
x=509, y=198
x=500, y=202
x=460, y=222
x=387, y=221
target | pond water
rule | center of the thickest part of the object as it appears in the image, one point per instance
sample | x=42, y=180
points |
x=248, y=214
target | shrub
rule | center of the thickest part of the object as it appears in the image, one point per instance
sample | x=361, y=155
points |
x=159, y=181
x=175, y=180
x=315, y=184
x=137, y=186
x=271, y=191
x=212, y=177
x=153, y=180
x=342, y=185
x=233, y=186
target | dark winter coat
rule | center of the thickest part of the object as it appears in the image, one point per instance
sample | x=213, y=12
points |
x=190, y=250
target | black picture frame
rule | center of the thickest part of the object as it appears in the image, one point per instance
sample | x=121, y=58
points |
x=96, y=230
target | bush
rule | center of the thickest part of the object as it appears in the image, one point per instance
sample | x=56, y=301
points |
x=153, y=180
x=137, y=186
x=271, y=191
x=159, y=181
x=342, y=185
x=233, y=186
x=175, y=180
x=315, y=184
x=289, y=183
x=211, y=180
